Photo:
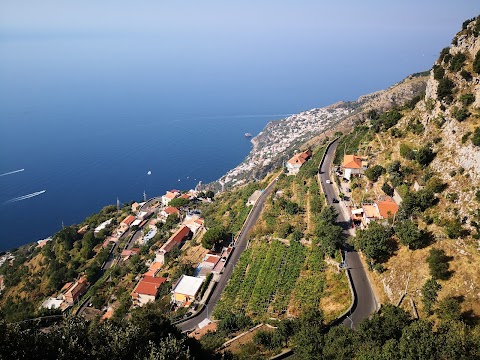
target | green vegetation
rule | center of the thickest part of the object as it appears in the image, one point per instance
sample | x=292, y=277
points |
x=438, y=72
x=350, y=143
x=376, y=243
x=460, y=113
x=430, y=294
x=410, y=235
x=445, y=89
x=146, y=335
x=263, y=280
x=467, y=99
x=386, y=120
x=328, y=235
x=213, y=236
x=457, y=61
x=476, y=63
x=438, y=263
x=476, y=137
x=374, y=172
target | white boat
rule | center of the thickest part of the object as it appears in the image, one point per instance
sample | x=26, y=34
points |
x=248, y=135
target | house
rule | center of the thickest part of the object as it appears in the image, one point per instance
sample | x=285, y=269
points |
x=102, y=226
x=169, y=196
x=127, y=254
x=128, y=220
x=169, y=210
x=109, y=240
x=370, y=213
x=174, y=241
x=147, y=290
x=136, y=222
x=353, y=165
x=207, y=265
x=135, y=207
x=296, y=162
x=142, y=215
x=185, y=196
x=83, y=230
x=185, y=290
x=42, y=243
x=153, y=269
x=194, y=223
x=74, y=291
x=386, y=207
x=381, y=209
x=254, y=197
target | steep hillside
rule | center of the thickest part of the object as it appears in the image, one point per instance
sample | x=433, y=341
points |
x=430, y=155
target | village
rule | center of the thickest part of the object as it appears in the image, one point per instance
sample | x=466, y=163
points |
x=141, y=228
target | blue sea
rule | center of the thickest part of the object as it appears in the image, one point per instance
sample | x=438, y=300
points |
x=87, y=116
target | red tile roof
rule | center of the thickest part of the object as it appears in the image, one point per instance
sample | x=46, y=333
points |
x=387, y=208
x=171, y=210
x=128, y=220
x=352, y=162
x=149, y=285
x=299, y=159
x=176, y=238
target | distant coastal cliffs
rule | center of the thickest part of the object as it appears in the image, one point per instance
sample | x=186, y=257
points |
x=278, y=140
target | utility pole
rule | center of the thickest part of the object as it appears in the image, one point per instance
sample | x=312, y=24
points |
x=144, y=196
x=118, y=204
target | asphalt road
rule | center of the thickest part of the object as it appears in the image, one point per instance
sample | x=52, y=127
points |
x=240, y=246
x=365, y=302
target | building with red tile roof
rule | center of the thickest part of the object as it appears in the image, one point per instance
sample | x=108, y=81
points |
x=169, y=196
x=387, y=208
x=353, y=165
x=76, y=290
x=128, y=220
x=147, y=290
x=296, y=162
x=174, y=241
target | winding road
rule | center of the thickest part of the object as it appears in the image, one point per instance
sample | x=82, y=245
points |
x=240, y=246
x=364, y=299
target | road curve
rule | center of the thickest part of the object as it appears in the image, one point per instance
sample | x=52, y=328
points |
x=364, y=299
x=240, y=246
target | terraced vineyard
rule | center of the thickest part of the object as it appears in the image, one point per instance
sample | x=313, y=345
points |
x=267, y=276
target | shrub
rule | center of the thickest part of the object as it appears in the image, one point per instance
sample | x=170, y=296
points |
x=430, y=294
x=213, y=236
x=415, y=127
x=425, y=155
x=449, y=309
x=438, y=264
x=453, y=228
x=467, y=99
x=476, y=137
x=460, y=113
x=457, y=61
x=445, y=89
x=438, y=72
x=476, y=63
x=466, y=136
x=406, y=152
x=466, y=75
x=445, y=55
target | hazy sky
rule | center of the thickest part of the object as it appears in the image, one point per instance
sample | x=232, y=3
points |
x=224, y=16
x=292, y=50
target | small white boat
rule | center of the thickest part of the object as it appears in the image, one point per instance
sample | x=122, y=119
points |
x=248, y=135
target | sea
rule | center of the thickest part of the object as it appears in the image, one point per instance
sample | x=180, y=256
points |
x=89, y=118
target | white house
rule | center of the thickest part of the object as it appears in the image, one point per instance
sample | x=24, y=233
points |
x=296, y=162
x=254, y=197
x=169, y=196
x=353, y=165
x=186, y=289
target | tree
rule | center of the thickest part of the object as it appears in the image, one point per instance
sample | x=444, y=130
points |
x=374, y=172
x=375, y=242
x=438, y=264
x=213, y=236
x=178, y=202
x=449, y=309
x=418, y=341
x=308, y=339
x=409, y=234
x=445, y=89
x=425, y=155
x=210, y=194
x=429, y=295
x=387, y=189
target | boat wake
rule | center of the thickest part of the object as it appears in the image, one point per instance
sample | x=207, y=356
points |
x=24, y=197
x=12, y=172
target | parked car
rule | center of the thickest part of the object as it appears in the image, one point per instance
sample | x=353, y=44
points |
x=328, y=181
x=334, y=200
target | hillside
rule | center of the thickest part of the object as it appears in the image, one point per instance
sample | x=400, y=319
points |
x=430, y=154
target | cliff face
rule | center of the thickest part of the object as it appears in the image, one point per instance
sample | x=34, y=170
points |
x=459, y=112
x=279, y=139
